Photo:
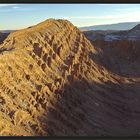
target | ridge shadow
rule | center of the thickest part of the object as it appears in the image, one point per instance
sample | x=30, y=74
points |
x=93, y=109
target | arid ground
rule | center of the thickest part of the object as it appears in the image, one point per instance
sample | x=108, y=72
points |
x=56, y=80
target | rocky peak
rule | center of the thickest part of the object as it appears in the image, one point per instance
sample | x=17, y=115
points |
x=37, y=65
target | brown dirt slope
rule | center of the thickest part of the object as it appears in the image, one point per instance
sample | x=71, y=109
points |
x=51, y=85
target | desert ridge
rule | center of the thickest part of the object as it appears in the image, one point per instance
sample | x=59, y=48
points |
x=51, y=84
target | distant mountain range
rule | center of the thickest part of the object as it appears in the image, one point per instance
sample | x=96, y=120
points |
x=7, y=31
x=110, y=35
x=117, y=26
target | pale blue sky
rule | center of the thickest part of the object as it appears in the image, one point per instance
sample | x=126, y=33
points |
x=17, y=16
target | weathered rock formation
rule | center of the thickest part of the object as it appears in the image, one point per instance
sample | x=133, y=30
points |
x=50, y=84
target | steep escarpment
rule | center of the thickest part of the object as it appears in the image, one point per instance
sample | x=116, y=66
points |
x=118, y=51
x=50, y=84
x=121, y=57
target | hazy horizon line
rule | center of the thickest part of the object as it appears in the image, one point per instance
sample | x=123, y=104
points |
x=73, y=24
